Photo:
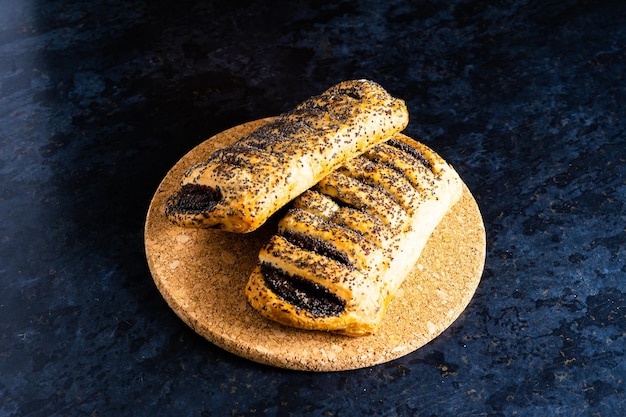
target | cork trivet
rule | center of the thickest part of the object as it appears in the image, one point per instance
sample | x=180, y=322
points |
x=202, y=273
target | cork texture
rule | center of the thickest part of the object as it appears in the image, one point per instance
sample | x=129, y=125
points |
x=202, y=273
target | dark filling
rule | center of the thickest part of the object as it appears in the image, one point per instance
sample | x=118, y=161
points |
x=194, y=198
x=317, y=246
x=406, y=148
x=303, y=294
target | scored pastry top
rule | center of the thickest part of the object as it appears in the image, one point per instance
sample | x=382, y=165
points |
x=345, y=246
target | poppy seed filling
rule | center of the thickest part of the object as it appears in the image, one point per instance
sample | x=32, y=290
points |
x=195, y=198
x=317, y=246
x=408, y=149
x=302, y=293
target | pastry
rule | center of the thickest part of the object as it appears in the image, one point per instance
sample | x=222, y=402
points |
x=345, y=246
x=239, y=187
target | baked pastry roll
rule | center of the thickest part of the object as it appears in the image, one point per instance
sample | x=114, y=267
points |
x=240, y=186
x=345, y=246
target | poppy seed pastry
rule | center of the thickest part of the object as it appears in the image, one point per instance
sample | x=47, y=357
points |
x=239, y=187
x=346, y=245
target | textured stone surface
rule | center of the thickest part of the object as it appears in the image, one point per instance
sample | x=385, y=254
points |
x=99, y=99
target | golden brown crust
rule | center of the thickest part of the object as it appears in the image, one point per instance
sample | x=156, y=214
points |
x=349, y=242
x=240, y=186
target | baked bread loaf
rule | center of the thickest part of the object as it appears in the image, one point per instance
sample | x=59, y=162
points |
x=345, y=246
x=239, y=187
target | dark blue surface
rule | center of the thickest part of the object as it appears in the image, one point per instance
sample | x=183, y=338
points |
x=99, y=99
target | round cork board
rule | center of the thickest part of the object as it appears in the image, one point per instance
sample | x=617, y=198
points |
x=202, y=273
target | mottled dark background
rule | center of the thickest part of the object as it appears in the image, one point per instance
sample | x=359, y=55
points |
x=98, y=99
